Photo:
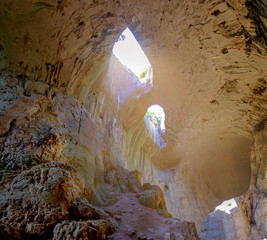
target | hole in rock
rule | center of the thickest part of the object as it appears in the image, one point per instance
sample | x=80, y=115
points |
x=227, y=206
x=128, y=51
x=155, y=123
x=130, y=74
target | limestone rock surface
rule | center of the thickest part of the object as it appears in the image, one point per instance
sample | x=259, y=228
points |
x=248, y=220
x=37, y=199
x=89, y=230
x=222, y=225
x=153, y=197
x=64, y=98
x=48, y=201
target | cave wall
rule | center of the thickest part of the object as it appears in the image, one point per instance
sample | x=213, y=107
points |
x=256, y=208
x=209, y=64
x=246, y=220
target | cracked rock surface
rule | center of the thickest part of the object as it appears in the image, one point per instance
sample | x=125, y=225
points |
x=47, y=201
x=65, y=99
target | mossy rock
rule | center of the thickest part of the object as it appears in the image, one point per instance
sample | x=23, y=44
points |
x=143, y=74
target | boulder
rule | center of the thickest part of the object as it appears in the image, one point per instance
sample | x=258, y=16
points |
x=89, y=230
x=37, y=199
x=153, y=197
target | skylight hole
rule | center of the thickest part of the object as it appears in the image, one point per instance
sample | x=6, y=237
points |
x=227, y=206
x=155, y=123
x=128, y=51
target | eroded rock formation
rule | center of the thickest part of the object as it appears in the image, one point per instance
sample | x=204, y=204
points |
x=248, y=219
x=71, y=115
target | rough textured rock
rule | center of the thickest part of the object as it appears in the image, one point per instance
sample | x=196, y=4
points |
x=254, y=201
x=221, y=225
x=60, y=97
x=47, y=126
x=123, y=180
x=153, y=197
x=135, y=221
x=89, y=230
x=37, y=199
x=117, y=180
x=49, y=201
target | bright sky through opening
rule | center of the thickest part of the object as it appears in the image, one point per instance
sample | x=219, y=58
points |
x=130, y=54
x=159, y=113
x=227, y=206
x=155, y=123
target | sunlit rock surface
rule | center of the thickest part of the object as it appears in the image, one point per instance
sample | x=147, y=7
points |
x=48, y=202
x=64, y=98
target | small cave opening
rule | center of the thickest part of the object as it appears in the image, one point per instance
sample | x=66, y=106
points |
x=227, y=206
x=155, y=123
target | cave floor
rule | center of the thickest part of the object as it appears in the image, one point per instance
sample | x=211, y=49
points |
x=136, y=221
